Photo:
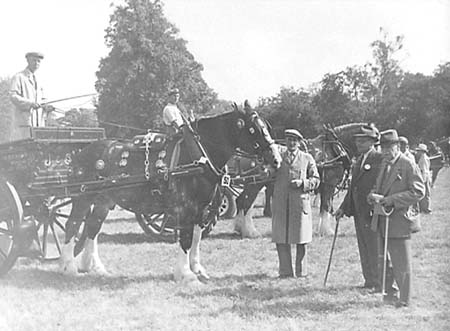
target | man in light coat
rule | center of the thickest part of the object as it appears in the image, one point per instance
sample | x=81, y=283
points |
x=291, y=207
x=364, y=174
x=400, y=186
x=26, y=95
x=423, y=161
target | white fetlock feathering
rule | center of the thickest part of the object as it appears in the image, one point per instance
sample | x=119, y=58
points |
x=194, y=254
x=183, y=272
x=67, y=259
x=248, y=227
x=90, y=260
x=325, y=228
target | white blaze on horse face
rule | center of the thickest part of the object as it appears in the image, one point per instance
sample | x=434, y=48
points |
x=90, y=260
x=194, y=254
x=67, y=259
x=276, y=156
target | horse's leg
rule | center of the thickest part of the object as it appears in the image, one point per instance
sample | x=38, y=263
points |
x=243, y=223
x=194, y=254
x=90, y=259
x=80, y=208
x=268, y=203
x=183, y=272
x=325, y=217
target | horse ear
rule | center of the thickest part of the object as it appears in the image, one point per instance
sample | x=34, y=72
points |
x=247, y=107
x=234, y=106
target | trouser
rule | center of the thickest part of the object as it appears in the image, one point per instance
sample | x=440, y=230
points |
x=401, y=269
x=425, y=202
x=285, y=260
x=368, y=252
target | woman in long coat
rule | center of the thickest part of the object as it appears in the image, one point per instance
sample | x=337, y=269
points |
x=291, y=221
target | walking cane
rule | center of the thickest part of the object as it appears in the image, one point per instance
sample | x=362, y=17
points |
x=382, y=211
x=331, y=253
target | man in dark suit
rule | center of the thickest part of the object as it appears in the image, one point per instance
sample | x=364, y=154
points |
x=364, y=174
x=399, y=186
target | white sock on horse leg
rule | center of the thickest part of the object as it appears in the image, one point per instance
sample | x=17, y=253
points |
x=194, y=253
x=67, y=259
x=325, y=227
x=248, y=228
x=183, y=272
x=238, y=222
x=90, y=260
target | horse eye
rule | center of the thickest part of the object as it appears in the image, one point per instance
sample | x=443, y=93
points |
x=251, y=130
x=240, y=123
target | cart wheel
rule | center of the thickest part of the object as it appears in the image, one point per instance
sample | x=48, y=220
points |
x=11, y=215
x=228, y=207
x=51, y=226
x=158, y=226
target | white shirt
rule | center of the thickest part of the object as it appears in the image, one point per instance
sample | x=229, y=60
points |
x=171, y=113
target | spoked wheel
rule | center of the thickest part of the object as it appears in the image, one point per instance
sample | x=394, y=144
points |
x=158, y=226
x=51, y=220
x=11, y=216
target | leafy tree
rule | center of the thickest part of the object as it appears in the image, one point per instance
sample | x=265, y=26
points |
x=290, y=108
x=146, y=59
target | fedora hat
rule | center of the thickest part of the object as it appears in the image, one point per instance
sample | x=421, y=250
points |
x=293, y=133
x=389, y=137
x=369, y=131
x=422, y=148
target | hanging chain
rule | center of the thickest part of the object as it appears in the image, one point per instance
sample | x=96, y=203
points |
x=147, y=140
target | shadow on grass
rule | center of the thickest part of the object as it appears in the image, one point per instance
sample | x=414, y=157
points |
x=129, y=238
x=257, y=293
x=233, y=235
x=41, y=279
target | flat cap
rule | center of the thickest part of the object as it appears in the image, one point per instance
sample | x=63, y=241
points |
x=293, y=133
x=369, y=131
x=389, y=137
x=34, y=54
x=174, y=91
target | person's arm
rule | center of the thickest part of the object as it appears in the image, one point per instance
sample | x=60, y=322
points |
x=17, y=98
x=312, y=180
x=414, y=193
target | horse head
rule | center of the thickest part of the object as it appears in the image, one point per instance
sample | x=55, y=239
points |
x=252, y=135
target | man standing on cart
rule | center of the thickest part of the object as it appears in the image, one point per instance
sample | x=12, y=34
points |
x=26, y=95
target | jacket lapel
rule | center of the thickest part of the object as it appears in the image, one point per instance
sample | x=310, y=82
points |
x=386, y=185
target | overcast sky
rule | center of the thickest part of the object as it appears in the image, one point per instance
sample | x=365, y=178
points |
x=249, y=49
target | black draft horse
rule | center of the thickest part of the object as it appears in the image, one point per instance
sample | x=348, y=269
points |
x=191, y=199
x=333, y=151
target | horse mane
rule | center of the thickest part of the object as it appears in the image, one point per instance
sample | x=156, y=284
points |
x=345, y=127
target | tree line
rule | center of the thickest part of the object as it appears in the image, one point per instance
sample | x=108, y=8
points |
x=147, y=58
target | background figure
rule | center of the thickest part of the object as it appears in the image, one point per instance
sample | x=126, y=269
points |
x=404, y=148
x=400, y=185
x=364, y=174
x=26, y=95
x=423, y=162
x=291, y=207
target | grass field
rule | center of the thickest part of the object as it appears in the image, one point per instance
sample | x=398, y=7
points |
x=243, y=293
